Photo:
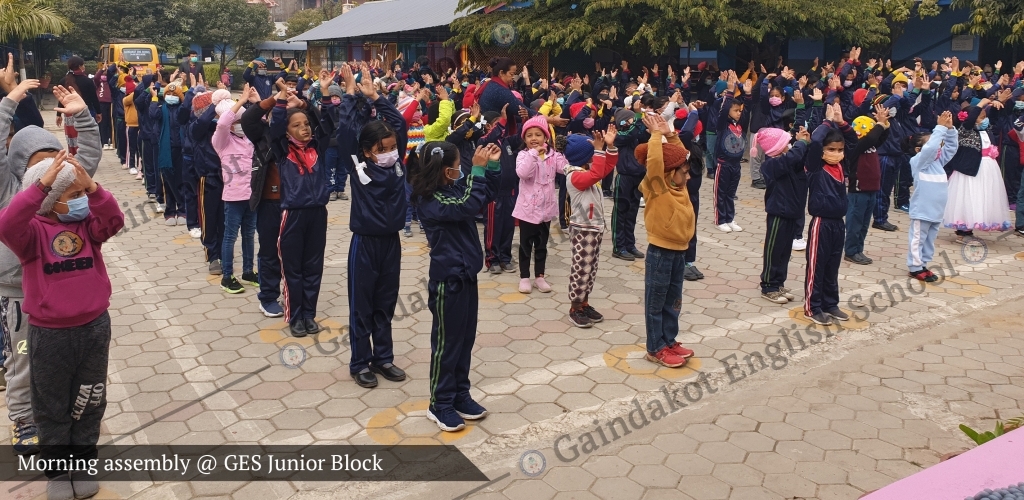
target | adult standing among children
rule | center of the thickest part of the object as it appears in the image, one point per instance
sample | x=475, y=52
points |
x=191, y=65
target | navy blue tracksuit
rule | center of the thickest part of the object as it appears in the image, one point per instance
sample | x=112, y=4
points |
x=627, y=187
x=150, y=119
x=499, y=225
x=728, y=153
x=304, y=194
x=210, y=187
x=189, y=178
x=455, y=260
x=784, y=195
x=827, y=204
x=375, y=253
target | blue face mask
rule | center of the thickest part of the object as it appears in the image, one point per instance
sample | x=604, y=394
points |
x=172, y=100
x=560, y=101
x=1018, y=105
x=78, y=209
x=461, y=174
x=983, y=125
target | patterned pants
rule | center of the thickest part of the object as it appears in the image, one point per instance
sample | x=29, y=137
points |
x=586, y=248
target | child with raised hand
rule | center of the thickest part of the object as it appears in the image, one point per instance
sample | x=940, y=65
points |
x=733, y=119
x=56, y=226
x=298, y=149
x=448, y=209
x=865, y=179
x=372, y=149
x=588, y=163
x=537, y=203
x=827, y=204
x=928, y=202
x=784, y=201
x=236, y=155
x=668, y=213
x=499, y=221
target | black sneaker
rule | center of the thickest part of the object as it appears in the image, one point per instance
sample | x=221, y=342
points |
x=509, y=267
x=231, y=285
x=635, y=253
x=623, y=255
x=758, y=184
x=838, y=314
x=251, y=279
x=1019, y=231
x=924, y=275
x=859, y=258
x=697, y=272
x=885, y=226
x=689, y=274
x=592, y=314
x=579, y=318
x=494, y=269
x=312, y=327
x=819, y=318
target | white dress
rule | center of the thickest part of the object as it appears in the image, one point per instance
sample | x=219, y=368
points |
x=978, y=203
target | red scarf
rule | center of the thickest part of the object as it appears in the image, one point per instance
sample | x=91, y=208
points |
x=305, y=158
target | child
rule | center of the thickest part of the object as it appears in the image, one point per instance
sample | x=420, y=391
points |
x=732, y=124
x=147, y=104
x=56, y=226
x=931, y=153
x=170, y=160
x=499, y=224
x=449, y=209
x=236, y=152
x=827, y=204
x=298, y=152
x=131, y=121
x=377, y=215
x=209, y=191
x=669, y=215
x=586, y=222
x=415, y=133
x=627, y=185
x=784, y=196
x=537, y=204
x=977, y=198
x=865, y=179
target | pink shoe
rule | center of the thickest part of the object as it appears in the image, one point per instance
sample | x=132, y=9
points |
x=139, y=176
x=525, y=286
x=542, y=285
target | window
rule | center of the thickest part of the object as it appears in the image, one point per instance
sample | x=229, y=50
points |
x=137, y=55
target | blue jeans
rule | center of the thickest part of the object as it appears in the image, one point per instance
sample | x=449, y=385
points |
x=858, y=218
x=238, y=215
x=336, y=172
x=663, y=295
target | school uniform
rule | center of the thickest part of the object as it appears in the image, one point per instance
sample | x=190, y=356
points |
x=784, y=196
x=210, y=187
x=891, y=159
x=627, y=187
x=378, y=213
x=928, y=202
x=729, y=151
x=150, y=124
x=265, y=200
x=827, y=205
x=455, y=260
x=499, y=225
x=189, y=176
x=304, y=195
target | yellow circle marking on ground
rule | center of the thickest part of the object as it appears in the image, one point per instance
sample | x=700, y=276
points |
x=386, y=426
x=185, y=239
x=277, y=334
x=629, y=359
x=513, y=298
x=1019, y=256
x=855, y=323
x=961, y=281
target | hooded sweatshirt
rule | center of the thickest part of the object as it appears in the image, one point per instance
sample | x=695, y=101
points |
x=14, y=163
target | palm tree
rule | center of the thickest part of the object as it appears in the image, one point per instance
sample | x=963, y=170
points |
x=26, y=19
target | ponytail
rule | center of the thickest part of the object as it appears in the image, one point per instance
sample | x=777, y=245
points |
x=426, y=167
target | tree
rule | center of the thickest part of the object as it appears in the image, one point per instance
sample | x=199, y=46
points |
x=645, y=26
x=97, y=21
x=1001, y=18
x=303, y=21
x=26, y=19
x=898, y=12
x=228, y=24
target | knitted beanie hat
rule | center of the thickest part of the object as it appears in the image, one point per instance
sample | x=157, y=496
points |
x=720, y=86
x=578, y=150
x=200, y=102
x=770, y=140
x=225, y=106
x=538, y=122
x=674, y=155
x=624, y=115
x=862, y=125
x=859, y=95
x=220, y=95
x=335, y=90
x=65, y=178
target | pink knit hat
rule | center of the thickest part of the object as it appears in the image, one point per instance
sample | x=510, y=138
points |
x=771, y=140
x=518, y=95
x=538, y=122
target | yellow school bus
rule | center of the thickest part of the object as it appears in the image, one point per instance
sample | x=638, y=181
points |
x=140, y=54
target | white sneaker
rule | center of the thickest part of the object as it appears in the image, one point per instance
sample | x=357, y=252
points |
x=799, y=245
x=133, y=171
x=169, y=221
x=642, y=202
x=195, y=232
x=160, y=208
x=735, y=227
x=726, y=228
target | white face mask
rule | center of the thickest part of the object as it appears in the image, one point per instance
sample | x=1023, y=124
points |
x=123, y=90
x=892, y=112
x=387, y=159
x=237, y=130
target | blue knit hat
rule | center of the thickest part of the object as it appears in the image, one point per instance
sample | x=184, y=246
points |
x=578, y=150
x=720, y=86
